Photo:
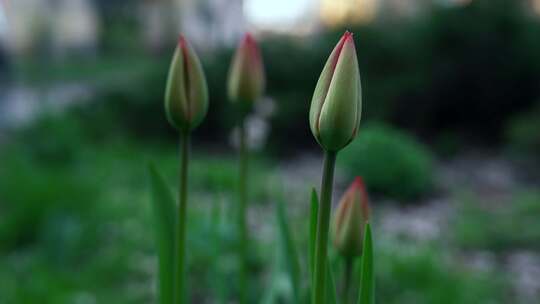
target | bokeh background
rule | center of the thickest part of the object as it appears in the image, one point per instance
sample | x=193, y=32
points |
x=449, y=145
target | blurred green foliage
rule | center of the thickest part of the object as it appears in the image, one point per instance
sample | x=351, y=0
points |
x=502, y=225
x=75, y=215
x=390, y=161
x=74, y=209
x=75, y=225
x=464, y=71
x=523, y=132
x=423, y=275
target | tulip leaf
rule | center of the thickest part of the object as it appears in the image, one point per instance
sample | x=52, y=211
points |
x=331, y=293
x=288, y=249
x=313, y=230
x=367, y=280
x=163, y=210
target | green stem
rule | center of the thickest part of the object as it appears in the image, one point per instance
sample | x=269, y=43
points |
x=347, y=280
x=180, y=229
x=242, y=224
x=323, y=220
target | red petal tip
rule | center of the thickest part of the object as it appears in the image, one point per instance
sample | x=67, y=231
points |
x=249, y=40
x=358, y=183
x=182, y=41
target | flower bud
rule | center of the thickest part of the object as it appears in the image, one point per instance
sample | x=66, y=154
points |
x=336, y=106
x=246, y=75
x=350, y=218
x=186, y=94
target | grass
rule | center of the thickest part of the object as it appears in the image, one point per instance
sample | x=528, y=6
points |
x=419, y=274
x=100, y=70
x=85, y=212
x=510, y=224
x=75, y=219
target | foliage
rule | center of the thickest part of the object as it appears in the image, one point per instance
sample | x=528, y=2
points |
x=390, y=161
x=164, y=210
x=367, y=277
x=523, y=131
x=516, y=219
x=423, y=276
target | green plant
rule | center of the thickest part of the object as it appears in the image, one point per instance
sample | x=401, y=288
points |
x=416, y=274
x=245, y=86
x=350, y=217
x=474, y=226
x=186, y=104
x=334, y=119
x=523, y=131
x=390, y=161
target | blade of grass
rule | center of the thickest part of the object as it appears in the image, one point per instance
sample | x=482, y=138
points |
x=163, y=210
x=367, y=280
x=288, y=249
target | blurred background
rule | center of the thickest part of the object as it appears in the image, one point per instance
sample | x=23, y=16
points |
x=449, y=145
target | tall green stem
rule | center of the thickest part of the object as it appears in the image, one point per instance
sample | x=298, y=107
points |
x=242, y=222
x=323, y=220
x=347, y=280
x=180, y=229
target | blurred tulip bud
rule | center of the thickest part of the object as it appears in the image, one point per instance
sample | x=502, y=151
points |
x=350, y=218
x=246, y=75
x=336, y=106
x=186, y=94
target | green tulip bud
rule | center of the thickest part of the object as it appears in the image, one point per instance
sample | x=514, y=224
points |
x=336, y=106
x=350, y=218
x=186, y=94
x=246, y=75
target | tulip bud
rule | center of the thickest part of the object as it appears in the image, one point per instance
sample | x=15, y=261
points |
x=246, y=75
x=350, y=218
x=186, y=94
x=336, y=106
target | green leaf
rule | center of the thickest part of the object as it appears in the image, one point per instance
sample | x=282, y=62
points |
x=288, y=249
x=331, y=293
x=367, y=280
x=163, y=210
x=313, y=231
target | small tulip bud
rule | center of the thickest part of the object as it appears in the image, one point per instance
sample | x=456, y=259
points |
x=336, y=106
x=246, y=75
x=186, y=94
x=350, y=218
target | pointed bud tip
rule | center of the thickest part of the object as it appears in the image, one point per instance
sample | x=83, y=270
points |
x=358, y=183
x=181, y=41
x=250, y=42
x=248, y=37
x=348, y=37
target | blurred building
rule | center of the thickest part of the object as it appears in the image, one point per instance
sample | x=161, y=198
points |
x=52, y=25
x=206, y=23
x=213, y=23
x=160, y=20
x=334, y=13
x=350, y=12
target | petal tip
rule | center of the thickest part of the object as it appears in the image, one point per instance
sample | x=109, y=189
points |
x=358, y=183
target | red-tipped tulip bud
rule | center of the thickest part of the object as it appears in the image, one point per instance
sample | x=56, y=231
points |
x=350, y=218
x=186, y=94
x=336, y=106
x=246, y=75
